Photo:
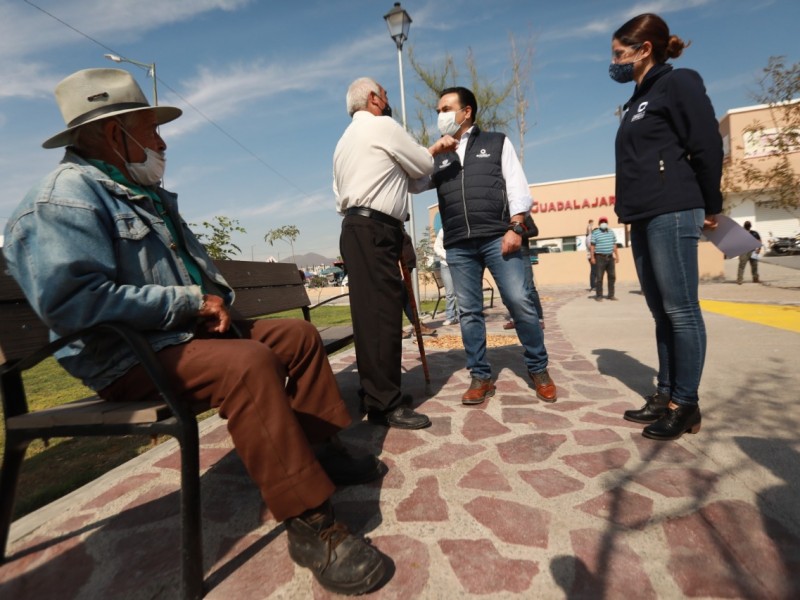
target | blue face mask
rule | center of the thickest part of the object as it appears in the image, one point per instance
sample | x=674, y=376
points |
x=621, y=73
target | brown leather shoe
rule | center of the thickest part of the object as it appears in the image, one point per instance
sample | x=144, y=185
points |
x=509, y=325
x=545, y=388
x=479, y=390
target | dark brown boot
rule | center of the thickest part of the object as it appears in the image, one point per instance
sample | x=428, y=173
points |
x=342, y=562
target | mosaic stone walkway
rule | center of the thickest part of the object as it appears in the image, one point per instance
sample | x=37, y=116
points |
x=513, y=499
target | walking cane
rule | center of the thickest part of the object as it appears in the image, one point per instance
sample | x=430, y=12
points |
x=413, y=301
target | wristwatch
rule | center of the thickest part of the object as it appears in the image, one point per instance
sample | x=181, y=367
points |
x=517, y=227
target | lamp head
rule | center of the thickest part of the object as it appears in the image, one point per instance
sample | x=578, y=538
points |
x=398, y=22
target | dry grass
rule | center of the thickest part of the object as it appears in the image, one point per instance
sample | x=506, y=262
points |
x=450, y=342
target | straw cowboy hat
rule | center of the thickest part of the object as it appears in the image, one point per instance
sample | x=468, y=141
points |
x=94, y=94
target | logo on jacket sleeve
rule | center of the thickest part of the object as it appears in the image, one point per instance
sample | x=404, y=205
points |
x=640, y=112
x=483, y=154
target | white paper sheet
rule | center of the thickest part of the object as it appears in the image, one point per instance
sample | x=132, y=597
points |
x=731, y=238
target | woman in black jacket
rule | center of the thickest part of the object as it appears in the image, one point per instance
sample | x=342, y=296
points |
x=669, y=167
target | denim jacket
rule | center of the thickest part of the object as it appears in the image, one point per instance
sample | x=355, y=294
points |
x=87, y=250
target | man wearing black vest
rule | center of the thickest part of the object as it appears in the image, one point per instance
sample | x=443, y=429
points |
x=483, y=200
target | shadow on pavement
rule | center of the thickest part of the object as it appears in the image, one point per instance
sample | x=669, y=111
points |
x=618, y=365
x=782, y=500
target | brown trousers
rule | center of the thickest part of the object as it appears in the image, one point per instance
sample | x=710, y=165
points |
x=277, y=391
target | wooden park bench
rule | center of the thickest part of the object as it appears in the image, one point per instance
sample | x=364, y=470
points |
x=261, y=289
x=437, y=278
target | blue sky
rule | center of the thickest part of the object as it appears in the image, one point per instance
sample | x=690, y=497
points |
x=266, y=84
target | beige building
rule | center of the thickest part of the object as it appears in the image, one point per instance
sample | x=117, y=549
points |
x=748, y=135
x=563, y=208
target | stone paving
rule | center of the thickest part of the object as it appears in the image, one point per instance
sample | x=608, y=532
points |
x=512, y=499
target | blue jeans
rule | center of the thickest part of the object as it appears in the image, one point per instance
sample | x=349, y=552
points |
x=450, y=313
x=531, y=285
x=467, y=261
x=665, y=254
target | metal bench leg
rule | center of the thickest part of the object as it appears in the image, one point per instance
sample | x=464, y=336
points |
x=435, y=308
x=191, y=532
x=13, y=455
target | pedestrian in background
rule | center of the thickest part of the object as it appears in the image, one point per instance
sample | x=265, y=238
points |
x=668, y=173
x=588, y=244
x=450, y=312
x=604, y=257
x=749, y=257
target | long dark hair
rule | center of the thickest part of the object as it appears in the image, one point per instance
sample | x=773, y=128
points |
x=651, y=28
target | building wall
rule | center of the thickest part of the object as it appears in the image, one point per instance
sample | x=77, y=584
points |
x=741, y=144
x=563, y=209
x=572, y=268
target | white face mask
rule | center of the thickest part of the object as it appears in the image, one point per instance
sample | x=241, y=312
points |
x=447, y=122
x=149, y=172
x=603, y=226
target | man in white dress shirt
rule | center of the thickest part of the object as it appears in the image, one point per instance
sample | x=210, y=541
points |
x=372, y=164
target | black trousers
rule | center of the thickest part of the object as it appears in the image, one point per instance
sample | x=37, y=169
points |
x=605, y=264
x=371, y=253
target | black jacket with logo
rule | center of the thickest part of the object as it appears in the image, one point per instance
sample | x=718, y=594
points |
x=472, y=198
x=668, y=148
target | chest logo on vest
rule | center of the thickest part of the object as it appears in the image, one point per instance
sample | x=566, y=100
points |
x=640, y=112
x=445, y=163
x=483, y=154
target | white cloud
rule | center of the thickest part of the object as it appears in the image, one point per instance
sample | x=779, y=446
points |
x=607, y=25
x=600, y=121
x=26, y=31
x=747, y=80
x=222, y=91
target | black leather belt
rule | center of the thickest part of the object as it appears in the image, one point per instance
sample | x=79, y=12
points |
x=598, y=254
x=373, y=214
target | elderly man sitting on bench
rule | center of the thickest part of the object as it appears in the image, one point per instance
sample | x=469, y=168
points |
x=99, y=240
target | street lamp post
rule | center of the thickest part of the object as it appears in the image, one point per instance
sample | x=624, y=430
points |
x=151, y=71
x=398, y=22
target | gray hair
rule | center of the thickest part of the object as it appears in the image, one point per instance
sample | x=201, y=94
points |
x=89, y=136
x=358, y=94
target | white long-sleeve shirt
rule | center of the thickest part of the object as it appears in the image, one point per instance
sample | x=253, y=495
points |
x=372, y=164
x=517, y=191
x=438, y=247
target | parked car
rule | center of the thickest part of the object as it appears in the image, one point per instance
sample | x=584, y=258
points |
x=536, y=251
x=785, y=245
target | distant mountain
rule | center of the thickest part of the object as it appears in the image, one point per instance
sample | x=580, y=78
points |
x=311, y=259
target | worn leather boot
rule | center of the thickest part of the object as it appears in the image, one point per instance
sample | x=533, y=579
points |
x=678, y=419
x=342, y=562
x=654, y=408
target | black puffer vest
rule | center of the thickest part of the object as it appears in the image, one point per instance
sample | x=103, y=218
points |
x=472, y=198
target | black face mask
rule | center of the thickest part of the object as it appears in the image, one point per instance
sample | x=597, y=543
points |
x=387, y=110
